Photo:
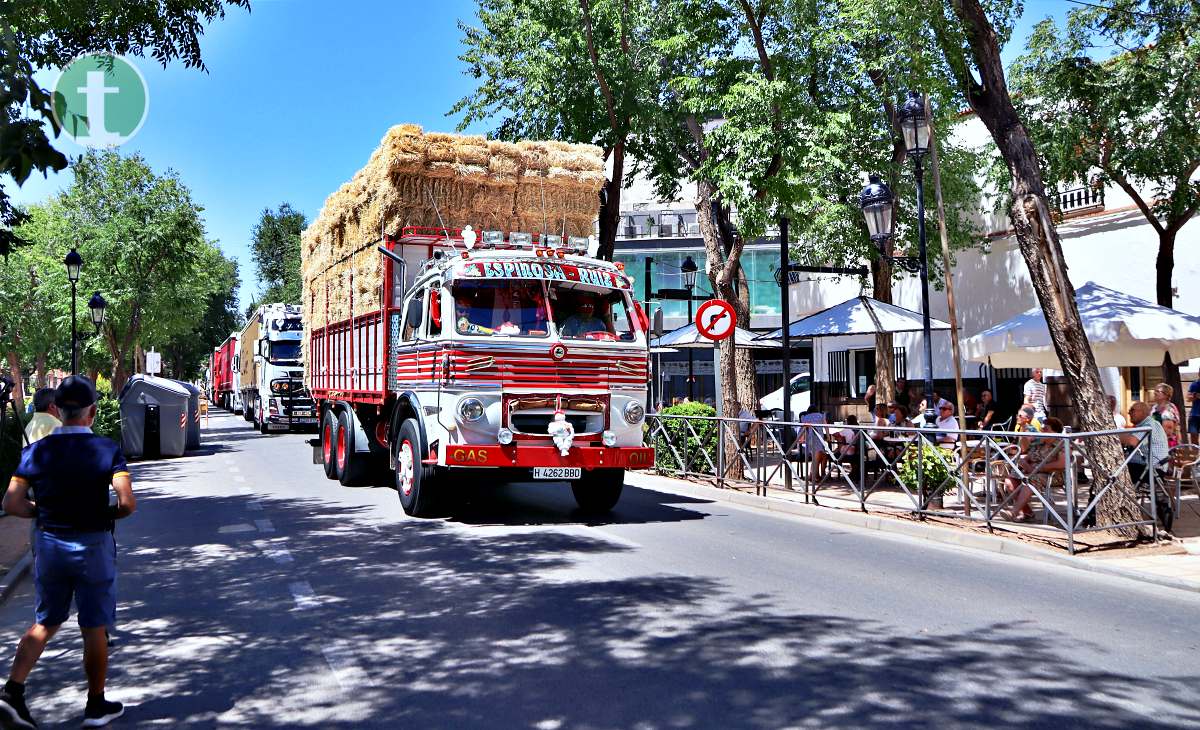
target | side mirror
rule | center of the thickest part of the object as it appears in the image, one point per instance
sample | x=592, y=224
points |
x=413, y=318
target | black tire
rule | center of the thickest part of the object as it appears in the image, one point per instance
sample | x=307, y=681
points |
x=599, y=489
x=329, y=426
x=415, y=482
x=352, y=467
x=248, y=413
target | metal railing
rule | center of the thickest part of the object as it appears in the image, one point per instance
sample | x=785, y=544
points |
x=1088, y=197
x=982, y=473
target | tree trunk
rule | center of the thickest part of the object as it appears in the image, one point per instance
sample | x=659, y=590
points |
x=40, y=364
x=736, y=367
x=610, y=212
x=14, y=371
x=1164, y=271
x=1042, y=250
x=885, y=352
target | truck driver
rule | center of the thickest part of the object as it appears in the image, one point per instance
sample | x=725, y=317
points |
x=463, y=312
x=584, y=320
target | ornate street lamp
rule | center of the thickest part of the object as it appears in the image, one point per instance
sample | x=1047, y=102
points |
x=74, y=263
x=689, y=270
x=876, y=203
x=97, y=304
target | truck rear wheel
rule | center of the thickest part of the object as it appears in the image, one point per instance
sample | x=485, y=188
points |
x=598, y=490
x=415, y=481
x=248, y=412
x=351, y=465
x=329, y=426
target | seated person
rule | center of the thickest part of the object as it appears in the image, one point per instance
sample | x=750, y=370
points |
x=1027, y=422
x=898, y=415
x=1148, y=452
x=584, y=320
x=466, y=318
x=947, y=424
x=1037, y=473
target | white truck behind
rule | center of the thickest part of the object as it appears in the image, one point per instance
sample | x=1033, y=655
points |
x=270, y=370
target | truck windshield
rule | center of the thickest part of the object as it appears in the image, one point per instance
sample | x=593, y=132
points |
x=286, y=351
x=501, y=308
x=592, y=313
x=291, y=324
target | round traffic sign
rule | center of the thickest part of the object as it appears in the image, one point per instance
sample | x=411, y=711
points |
x=715, y=319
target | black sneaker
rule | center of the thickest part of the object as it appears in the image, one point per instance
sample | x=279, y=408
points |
x=13, y=712
x=101, y=712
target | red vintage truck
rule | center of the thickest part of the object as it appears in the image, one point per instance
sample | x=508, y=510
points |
x=510, y=358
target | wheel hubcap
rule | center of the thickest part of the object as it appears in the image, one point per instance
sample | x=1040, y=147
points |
x=404, y=467
x=326, y=438
x=341, y=448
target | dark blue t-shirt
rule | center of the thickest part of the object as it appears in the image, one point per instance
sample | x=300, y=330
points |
x=70, y=474
x=1195, y=389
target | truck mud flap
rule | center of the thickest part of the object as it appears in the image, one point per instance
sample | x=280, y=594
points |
x=316, y=450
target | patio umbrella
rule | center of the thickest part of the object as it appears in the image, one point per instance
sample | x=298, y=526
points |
x=1124, y=332
x=688, y=337
x=858, y=316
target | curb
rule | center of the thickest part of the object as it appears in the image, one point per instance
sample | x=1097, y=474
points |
x=14, y=575
x=933, y=533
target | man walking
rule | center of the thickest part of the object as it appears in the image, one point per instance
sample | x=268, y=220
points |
x=1035, y=394
x=70, y=470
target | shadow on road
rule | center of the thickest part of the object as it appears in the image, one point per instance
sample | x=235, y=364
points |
x=492, y=630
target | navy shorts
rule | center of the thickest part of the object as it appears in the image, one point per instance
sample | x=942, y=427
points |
x=82, y=566
x=1193, y=424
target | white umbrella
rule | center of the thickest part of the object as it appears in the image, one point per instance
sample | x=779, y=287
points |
x=688, y=336
x=1124, y=332
x=858, y=316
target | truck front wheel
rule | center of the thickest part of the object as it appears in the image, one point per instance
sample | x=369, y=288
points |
x=414, y=480
x=261, y=418
x=598, y=490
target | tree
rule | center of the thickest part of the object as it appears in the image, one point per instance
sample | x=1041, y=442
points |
x=574, y=70
x=275, y=245
x=1130, y=119
x=970, y=43
x=143, y=241
x=185, y=354
x=37, y=35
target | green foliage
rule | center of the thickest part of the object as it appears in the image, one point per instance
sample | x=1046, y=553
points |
x=108, y=419
x=142, y=242
x=927, y=459
x=1129, y=119
x=185, y=354
x=690, y=447
x=50, y=34
x=275, y=245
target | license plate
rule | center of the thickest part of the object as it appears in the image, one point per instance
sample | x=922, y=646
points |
x=304, y=421
x=557, y=472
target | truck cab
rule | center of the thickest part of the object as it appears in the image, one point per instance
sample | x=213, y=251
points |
x=271, y=370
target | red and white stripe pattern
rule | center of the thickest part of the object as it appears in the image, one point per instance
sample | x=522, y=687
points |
x=523, y=368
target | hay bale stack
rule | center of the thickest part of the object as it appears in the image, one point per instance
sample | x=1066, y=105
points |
x=414, y=176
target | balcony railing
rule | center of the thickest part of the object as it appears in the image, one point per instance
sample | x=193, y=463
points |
x=1078, y=200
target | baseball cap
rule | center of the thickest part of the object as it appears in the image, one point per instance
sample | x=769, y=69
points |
x=75, y=391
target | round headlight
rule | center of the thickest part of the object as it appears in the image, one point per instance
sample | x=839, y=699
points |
x=609, y=438
x=504, y=436
x=634, y=413
x=470, y=409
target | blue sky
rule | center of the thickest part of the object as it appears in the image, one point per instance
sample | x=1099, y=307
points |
x=297, y=95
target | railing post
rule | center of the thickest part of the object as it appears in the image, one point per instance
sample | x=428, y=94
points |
x=860, y=439
x=721, y=452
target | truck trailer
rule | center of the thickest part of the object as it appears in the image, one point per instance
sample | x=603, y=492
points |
x=506, y=358
x=224, y=395
x=269, y=371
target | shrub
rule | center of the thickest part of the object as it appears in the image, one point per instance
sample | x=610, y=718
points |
x=692, y=448
x=11, y=441
x=108, y=419
x=936, y=472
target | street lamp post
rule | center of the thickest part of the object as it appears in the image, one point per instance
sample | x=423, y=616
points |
x=689, y=270
x=97, y=306
x=876, y=202
x=73, y=262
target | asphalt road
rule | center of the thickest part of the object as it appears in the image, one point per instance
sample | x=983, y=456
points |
x=255, y=592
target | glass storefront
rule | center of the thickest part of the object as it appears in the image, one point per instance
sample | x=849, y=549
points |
x=758, y=263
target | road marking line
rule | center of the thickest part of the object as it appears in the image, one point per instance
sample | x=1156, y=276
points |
x=304, y=595
x=240, y=527
x=347, y=671
x=264, y=526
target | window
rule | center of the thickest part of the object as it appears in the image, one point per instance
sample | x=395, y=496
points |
x=412, y=315
x=592, y=314
x=501, y=308
x=839, y=374
x=285, y=351
x=852, y=371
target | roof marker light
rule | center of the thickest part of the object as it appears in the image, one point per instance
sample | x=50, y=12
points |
x=520, y=239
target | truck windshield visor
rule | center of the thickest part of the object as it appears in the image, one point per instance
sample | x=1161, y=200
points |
x=592, y=313
x=286, y=351
x=501, y=308
x=291, y=324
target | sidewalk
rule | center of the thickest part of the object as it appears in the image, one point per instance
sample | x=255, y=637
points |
x=14, y=547
x=1172, y=562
